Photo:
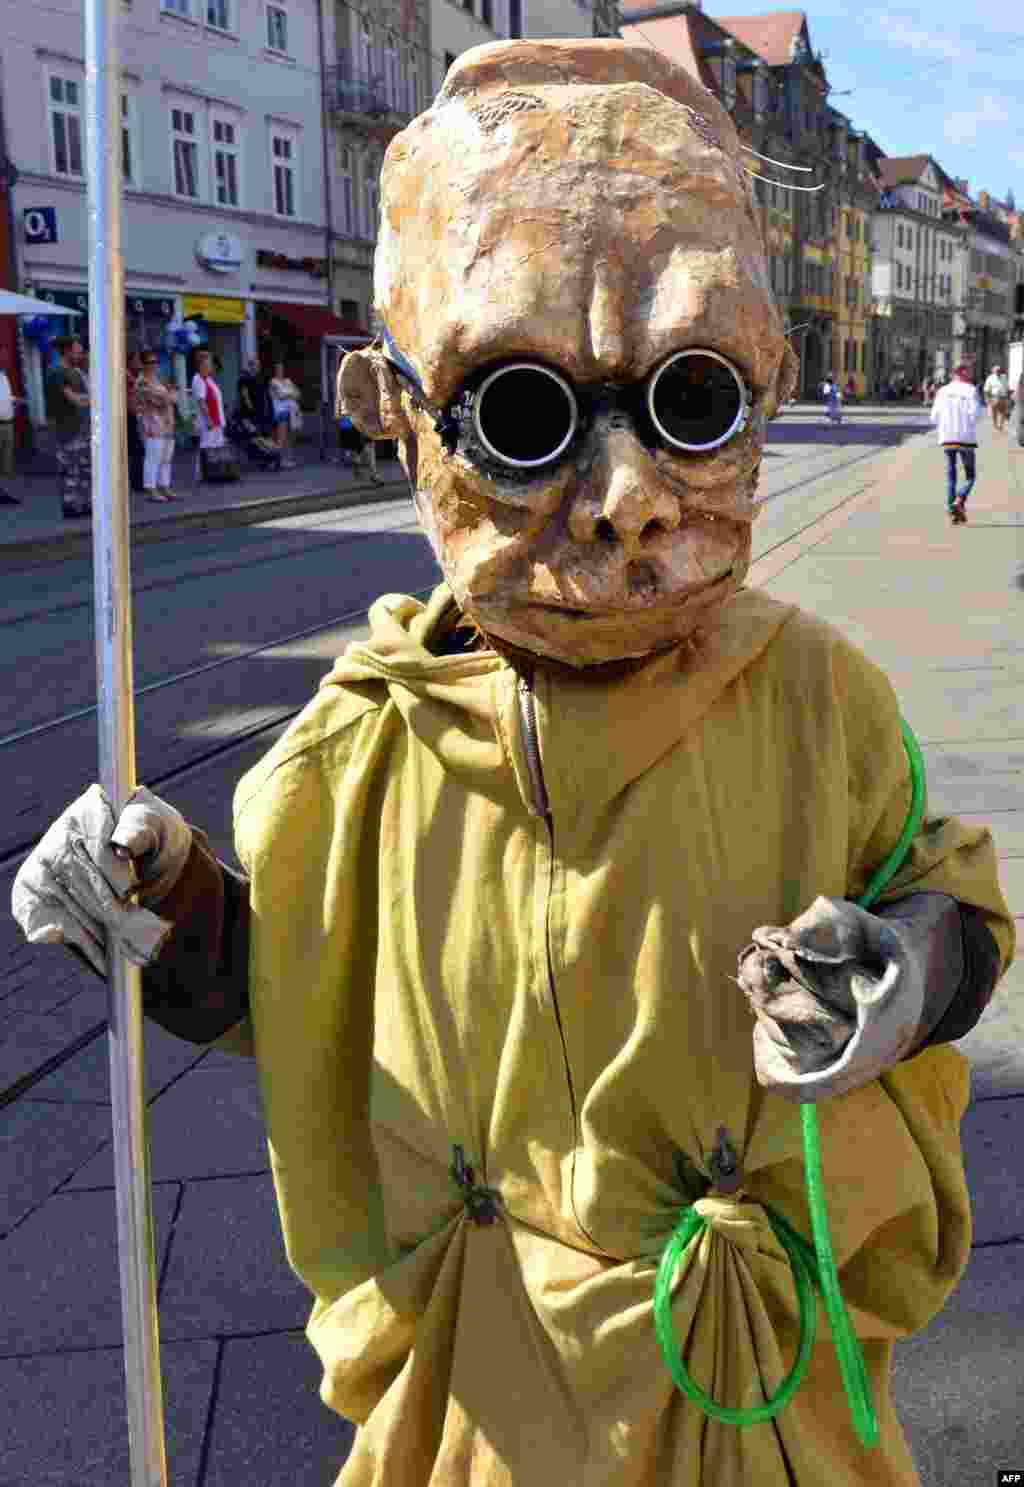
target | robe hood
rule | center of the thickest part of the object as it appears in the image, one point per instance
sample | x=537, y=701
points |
x=463, y=707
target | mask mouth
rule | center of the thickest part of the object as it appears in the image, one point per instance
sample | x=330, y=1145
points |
x=623, y=611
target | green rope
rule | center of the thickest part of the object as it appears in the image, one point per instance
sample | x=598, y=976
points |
x=813, y=1268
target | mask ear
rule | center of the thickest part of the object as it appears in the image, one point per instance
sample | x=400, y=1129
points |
x=370, y=393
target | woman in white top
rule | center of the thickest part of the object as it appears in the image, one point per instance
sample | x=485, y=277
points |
x=284, y=398
x=209, y=405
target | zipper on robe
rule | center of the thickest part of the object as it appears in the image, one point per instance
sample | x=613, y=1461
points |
x=542, y=807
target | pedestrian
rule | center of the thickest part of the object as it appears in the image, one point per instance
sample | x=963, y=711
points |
x=850, y=391
x=67, y=405
x=513, y=1030
x=156, y=403
x=7, y=407
x=1019, y=406
x=209, y=405
x=284, y=399
x=955, y=415
x=136, y=443
x=997, y=398
x=833, y=399
x=254, y=397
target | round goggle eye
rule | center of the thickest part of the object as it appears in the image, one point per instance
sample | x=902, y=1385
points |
x=525, y=415
x=697, y=400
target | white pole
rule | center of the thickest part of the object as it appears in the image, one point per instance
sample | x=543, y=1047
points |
x=112, y=589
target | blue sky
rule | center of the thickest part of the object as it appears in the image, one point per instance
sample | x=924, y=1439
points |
x=947, y=81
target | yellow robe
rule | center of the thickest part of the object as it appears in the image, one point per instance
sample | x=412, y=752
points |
x=431, y=967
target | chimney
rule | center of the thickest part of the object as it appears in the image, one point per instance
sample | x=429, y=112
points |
x=983, y=200
x=961, y=186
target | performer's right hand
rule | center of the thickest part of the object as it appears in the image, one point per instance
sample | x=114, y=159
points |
x=94, y=880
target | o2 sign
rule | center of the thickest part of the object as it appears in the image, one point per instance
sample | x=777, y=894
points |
x=40, y=224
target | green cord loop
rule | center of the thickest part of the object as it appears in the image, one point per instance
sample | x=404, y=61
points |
x=814, y=1268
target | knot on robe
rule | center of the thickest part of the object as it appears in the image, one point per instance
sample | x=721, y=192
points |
x=742, y=1223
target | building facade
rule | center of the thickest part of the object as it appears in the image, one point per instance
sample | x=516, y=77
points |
x=224, y=193
x=918, y=262
x=984, y=312
x=378, y=75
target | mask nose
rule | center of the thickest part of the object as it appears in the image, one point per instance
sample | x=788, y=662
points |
x=624, y=503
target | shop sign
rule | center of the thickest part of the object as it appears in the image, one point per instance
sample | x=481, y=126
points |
x=40, y=224
x=214, y=308
x=315, y=267
x=220, y=252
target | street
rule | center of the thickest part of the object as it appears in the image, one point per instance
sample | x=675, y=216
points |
x=232, y=631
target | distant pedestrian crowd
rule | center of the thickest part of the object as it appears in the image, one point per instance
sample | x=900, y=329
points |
x=264, y=423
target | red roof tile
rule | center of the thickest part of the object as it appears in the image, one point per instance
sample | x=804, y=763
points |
x=770, y=36
x=903, y=170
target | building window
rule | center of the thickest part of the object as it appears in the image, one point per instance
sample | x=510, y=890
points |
x=348, y=192
x=487, y=12
x=181, y=8
x=66, y=126
x=467, y=6
x=127, y=140
x=515, y=19
x=226, y=172
x=186, y=153
x=218, y=14
x=899, y=234
x=371, y=199
x=910, y=238
x=899, y=276
x=392, y=80
x=277, y=28
x=283, y=154
x=348, y=309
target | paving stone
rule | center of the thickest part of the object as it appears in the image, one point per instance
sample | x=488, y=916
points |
x=995, y=1169
x=269, y=1410
x=995, y=1046
x=40, y=1147
x=209, y=1123
x=61, y=1287
x=227, y=1272
x=957, y=1384
x=86, y=1077
x=64, y=1421
x=26, y=1042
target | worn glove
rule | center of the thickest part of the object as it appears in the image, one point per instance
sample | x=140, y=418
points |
x=841, y=995
x=80, y=885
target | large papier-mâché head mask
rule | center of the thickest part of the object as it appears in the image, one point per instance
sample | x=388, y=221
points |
x=582, y=347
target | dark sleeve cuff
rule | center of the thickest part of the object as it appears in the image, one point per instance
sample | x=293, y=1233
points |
x=199, y=986
x=980, y=975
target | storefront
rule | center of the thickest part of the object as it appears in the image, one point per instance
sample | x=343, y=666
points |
x=293, y=334
x=222, y=324
x=146, y=320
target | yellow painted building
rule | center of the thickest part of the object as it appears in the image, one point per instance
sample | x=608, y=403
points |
x=852, y=295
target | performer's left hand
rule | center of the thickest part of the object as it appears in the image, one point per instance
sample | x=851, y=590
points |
x=840, y=993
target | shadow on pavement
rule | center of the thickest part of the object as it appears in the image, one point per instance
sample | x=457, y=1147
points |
x=804, y=430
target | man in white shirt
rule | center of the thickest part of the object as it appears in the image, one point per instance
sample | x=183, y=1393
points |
x=7, y=402
x=997, y=396
x=955, y=415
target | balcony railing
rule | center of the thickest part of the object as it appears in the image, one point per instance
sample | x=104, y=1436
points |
x=350, y=91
